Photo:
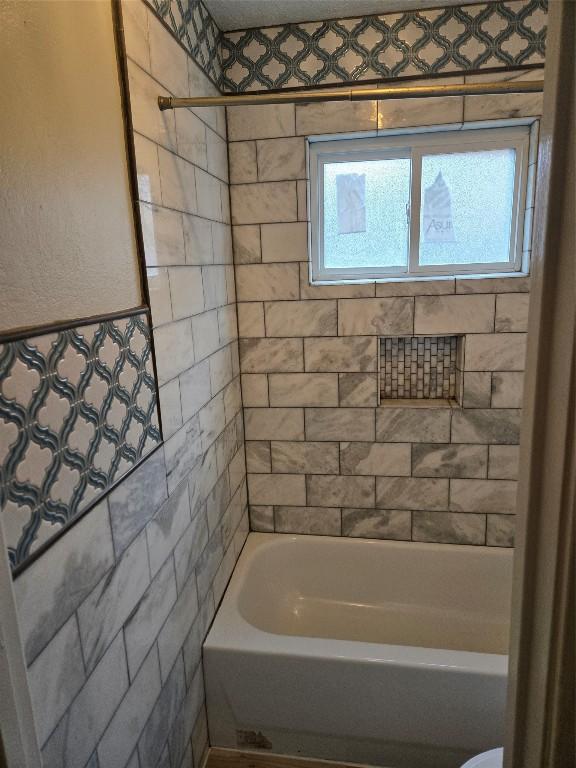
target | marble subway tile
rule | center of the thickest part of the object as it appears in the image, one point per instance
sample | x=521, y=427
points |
x=413, y=425
x=195, y=389
x=375, y=459
x=189, y=549
x=174, y=349
x=282, y=489
x=210, y=196
x=336, y=117
x=340, y=491
x=339, y=424
x=186, y=291
x=242, y=158
x=353, y=354
x=55, y=677
x=262, y=519
x=113, y=599
x=377, y=523
x=267, y=282
x=357, y=390
x=135, y=25
x=220, y=365
x=192, y=648
x=387, y=317
x=258, y=457
x=227, y=324
x=274, y=423
x=318, y=521
x=486, y=426
x=182, y=451
x=167, y=526
x=500, y=530
x=503, y=462
x=412, y=493
x=512, y=312
x=507, y=389
x=302, y=199
x=454, y=314
x=254, y=389
x=285, y=242
x=147, y=119
x=206, y=334
x=495, y=352
x=271, y=355
x=168, y=61
x=483, y=496
x=181, y=732
x=305, y=458
x=121, y=735
x=508, y=284
x=301, y=318
x=136, y=499
x=52, y=587
x=214, y=286
x=163, y=234
x=191, y=136
x=477, y=389
x=303, y=389
x=251, y=320
x=346, y=291
x=79, y=732
x=159, y=292
x=147, y=173
x=265, y=202
x=505, y=106
x=433, y=460
x=449, y=527
x=217, y=157
x=260, y=121
x=177, y=626
x=178, y=182
x=246, y=244
x=281, y=159
x=198, y=240
x=170, y=408
x=415, y=288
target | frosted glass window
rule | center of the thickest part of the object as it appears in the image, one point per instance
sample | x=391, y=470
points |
x=381, y=236
x=467, y=206
x=438, y=203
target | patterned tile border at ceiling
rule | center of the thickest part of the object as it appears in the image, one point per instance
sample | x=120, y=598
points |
x=78, y=410
x=416, y=43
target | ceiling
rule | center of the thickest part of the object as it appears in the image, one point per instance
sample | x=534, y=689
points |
x=243, y=14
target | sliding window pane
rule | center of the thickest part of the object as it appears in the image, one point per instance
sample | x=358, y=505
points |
x=365, y=214
x=467, y=202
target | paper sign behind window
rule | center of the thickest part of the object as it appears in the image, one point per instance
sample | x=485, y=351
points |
x=437, y=218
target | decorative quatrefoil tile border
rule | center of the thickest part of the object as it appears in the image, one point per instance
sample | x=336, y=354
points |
x=78, y=410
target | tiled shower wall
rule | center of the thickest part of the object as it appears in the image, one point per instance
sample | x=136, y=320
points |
x=322, y=455
x=113, y=615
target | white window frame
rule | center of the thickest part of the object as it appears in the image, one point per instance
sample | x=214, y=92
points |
x=414, y=146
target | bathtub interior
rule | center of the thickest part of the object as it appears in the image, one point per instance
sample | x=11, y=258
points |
x=418, y=595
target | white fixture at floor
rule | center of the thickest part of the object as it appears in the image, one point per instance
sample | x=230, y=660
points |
x=491, y=759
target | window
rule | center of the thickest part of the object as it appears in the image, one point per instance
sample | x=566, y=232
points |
x=418, y=205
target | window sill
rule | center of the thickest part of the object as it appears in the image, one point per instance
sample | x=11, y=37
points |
x=427, y=279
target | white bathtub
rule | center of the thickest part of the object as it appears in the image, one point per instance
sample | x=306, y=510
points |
x=387, y=653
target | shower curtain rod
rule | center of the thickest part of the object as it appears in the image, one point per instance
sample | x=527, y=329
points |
x=354, y=94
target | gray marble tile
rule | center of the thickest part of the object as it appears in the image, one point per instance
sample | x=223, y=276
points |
x=354, y=354
x=260, y=122
x=301, y=318
x=449, y=527
x=242, y=158
x=339, y=424
x=153, y=739
x=121, y=735
x=303, y=389
x=280, y=489
x=385, y=317
x=136, y=500
x=145, y=621
x=375, y=459
x=507, y=389
x=246, y=244
x=377, y=523
x=486, y=426
x=285, y=242
x=267, y=282
x=281, y=159
x=78, y=733
x=433, y=460
x=503, y=462
x=319, y=521
x=495, y=352
x=217, y=501
x=51, y=588
x=512, y=312
x=454, y=314
x=510, y=284
x=188, y=550
x=336, y=117
x=167, y=526
x=307, y=458
x=500, y=530
x=110, y=603
x=251, y=320
x=200, y=738
x=208, y=564
x=412, y=493
x=182, y=451
x=263, y=203
x=340, y=491
x=198, y=243
x=254, y=389
x=177, y=626
x=192, y=647
x=258, y=456
x=205, y=472
x=413, y=425
x=270, y=423
x=206, y=334
x=55, y=677
x=416, y=288
x=262, y=519
x=483, y=496
x=358, y=390
x=179, y=739
x=170, y=408
x=477, y=389
x=175, y=349
x=271, y=355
